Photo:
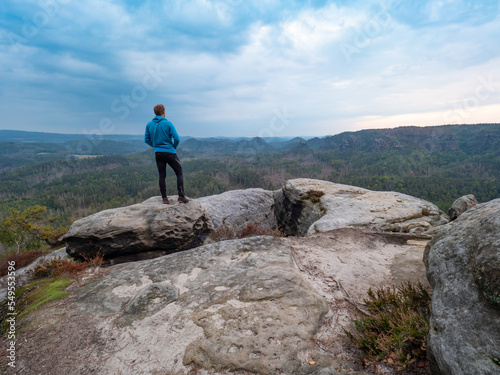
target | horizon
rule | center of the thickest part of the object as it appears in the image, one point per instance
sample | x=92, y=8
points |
x=240, y=69
x=94, y=135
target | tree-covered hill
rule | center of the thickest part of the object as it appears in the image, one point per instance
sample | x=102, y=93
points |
x=438, y=164
x=469, y=139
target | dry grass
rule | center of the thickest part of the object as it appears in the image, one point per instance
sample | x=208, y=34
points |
x=252, y=229
x=258, y=229
x=65, y=267
x=21, y=260
x=222, y=233
x=313, y=195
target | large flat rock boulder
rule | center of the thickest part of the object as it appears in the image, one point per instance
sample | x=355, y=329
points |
x=260, y=305
x=237, y=208
x=233, y=305
x=463, y=267
x=307, y=206
x=147, y=227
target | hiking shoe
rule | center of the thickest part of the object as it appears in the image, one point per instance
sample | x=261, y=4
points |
x=182, y=199
x=165, y=200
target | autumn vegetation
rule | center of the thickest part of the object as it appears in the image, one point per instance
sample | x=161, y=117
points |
x=396, y=326
x=224, y=232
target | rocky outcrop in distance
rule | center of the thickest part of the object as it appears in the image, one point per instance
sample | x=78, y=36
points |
x=463, y=268
x=469, y=139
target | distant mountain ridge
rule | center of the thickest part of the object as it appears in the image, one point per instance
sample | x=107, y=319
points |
x=480, y=139
x=437, y=164
x=470, y=139
x=29, y=136
x=226, y=145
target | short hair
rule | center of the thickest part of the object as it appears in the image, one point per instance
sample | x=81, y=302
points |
x=159, y=109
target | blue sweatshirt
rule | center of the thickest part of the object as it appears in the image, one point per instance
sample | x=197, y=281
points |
x=161, y=135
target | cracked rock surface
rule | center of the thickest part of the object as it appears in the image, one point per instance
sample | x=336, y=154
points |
x=230, y=305
x=260, y=305
x=343, y=206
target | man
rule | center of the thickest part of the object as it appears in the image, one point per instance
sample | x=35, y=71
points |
x=162, y=136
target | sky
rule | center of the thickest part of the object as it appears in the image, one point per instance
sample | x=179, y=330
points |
x=263, y=68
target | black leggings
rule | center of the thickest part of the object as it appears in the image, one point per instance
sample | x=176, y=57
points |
x=162, y=159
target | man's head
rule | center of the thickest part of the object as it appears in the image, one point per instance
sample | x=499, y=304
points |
x=159, y=110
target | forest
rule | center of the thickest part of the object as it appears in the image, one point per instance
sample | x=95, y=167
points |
x=438, y=164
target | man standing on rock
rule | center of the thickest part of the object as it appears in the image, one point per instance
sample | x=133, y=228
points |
x=162, y=136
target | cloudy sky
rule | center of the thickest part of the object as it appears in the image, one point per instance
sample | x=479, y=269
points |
x=247, y=68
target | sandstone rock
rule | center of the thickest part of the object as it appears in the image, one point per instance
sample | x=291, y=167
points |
x=352, y=260
x=237, y=208
x=259, y=305
x=149, y=226
x=233, y=305
x=349, y=206
x=463, y=267
x=461, y=205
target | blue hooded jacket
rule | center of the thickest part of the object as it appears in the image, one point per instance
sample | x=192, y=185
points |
x=161, y=135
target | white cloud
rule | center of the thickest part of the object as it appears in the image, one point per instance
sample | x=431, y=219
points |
x=231, y=62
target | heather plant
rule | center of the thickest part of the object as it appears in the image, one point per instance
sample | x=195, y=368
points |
x=258, y=229
x=313, y=195
x=222, y=233
x=395, y=331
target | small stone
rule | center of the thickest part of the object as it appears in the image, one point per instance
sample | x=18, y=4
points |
x=461, y=205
